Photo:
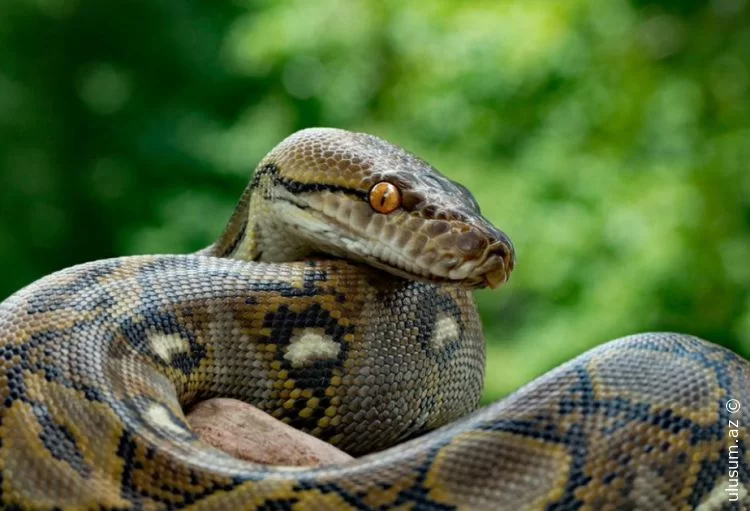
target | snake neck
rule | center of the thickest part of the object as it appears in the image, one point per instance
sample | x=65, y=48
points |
x=255, y=231
x=238, y=233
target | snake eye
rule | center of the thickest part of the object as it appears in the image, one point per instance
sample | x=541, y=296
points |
x=385, y=197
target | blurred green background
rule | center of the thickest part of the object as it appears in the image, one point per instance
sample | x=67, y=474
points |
x=609, y=139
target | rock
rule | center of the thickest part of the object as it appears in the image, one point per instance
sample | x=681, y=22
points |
x=245, y=432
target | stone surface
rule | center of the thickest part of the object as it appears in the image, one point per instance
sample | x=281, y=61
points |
x=245, y=432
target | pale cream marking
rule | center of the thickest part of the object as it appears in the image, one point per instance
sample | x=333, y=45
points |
x=646, y=492
x=168, y=345
x=311, y=345
x=720, y=496
x=159, y=417
x=445, y=331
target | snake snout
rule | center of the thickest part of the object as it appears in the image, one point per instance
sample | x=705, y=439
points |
x=501, y=259
x=476, y=257
x=498, y=261
x=503, y=248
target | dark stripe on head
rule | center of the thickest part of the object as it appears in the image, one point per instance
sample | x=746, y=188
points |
x=297, y=187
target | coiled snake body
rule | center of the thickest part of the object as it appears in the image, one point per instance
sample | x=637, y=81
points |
x=376, y=342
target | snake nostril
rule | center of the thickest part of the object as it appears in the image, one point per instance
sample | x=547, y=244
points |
x=499, y=250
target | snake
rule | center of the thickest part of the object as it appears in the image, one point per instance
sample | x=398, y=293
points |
x=339, y=299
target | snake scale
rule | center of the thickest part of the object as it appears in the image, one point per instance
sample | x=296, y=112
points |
x=339, y=300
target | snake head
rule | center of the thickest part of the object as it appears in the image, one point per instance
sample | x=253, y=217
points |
x=356, y=196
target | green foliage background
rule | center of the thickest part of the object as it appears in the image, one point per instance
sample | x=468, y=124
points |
x=609, y=139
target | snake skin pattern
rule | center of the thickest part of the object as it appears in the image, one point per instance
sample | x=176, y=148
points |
x=375, y=344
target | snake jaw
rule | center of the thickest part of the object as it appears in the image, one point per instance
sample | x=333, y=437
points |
x=468, y=252
x=440, y=260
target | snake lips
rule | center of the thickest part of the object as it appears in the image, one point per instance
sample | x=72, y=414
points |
x=356, y=196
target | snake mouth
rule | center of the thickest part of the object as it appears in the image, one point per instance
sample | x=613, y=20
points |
x=491, y=269
x=497, y=265
x=467, y=252
x=496, y=278
x=473, y=258
x=488, y=262
x=500, y=264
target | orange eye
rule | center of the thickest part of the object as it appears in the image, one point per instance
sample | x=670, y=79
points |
x=385, y=197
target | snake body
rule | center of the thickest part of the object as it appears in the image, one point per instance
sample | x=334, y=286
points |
x=339, y=300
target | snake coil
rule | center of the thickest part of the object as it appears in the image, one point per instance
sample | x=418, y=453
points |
x=339, y=300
